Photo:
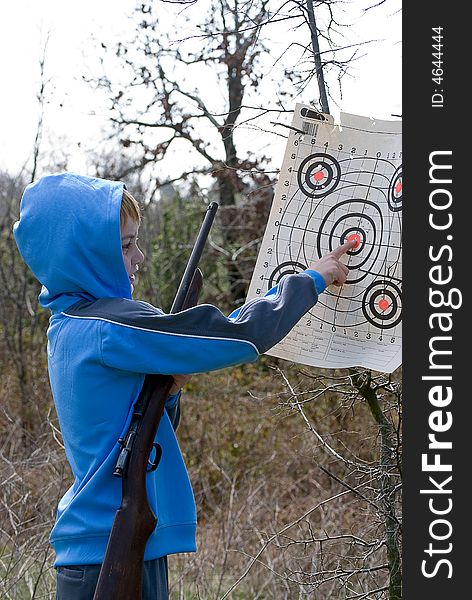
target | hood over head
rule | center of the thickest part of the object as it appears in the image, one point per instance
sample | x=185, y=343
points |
x=69, y=236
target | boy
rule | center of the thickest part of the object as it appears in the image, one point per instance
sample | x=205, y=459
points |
x=79, y=237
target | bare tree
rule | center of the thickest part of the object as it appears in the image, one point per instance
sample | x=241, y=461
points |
x=347, y=544
x=157, y=110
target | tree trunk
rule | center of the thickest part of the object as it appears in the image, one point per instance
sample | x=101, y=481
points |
x=387, y=484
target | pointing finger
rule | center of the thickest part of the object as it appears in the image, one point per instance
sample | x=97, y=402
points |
x=340, y=250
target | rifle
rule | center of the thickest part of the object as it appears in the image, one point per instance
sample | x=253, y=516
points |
x=121, y=573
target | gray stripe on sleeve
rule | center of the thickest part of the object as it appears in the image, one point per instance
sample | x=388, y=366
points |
x=263, y=321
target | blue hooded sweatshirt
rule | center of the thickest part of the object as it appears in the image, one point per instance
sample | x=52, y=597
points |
x=102, y=343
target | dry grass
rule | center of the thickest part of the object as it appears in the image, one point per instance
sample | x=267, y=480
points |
x=255, y=470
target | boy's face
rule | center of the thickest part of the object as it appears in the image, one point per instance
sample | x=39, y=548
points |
x=132, y=255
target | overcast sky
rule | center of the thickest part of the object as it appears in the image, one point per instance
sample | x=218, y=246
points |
x=73, y=117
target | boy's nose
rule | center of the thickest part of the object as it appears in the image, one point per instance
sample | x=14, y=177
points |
x=139, y=258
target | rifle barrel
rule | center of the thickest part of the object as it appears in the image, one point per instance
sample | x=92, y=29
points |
x=194, y=257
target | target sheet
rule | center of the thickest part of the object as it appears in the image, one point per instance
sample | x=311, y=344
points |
x=339, y=182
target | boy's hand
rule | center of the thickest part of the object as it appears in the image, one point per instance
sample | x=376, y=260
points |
x=179, y=382
x=331, y=268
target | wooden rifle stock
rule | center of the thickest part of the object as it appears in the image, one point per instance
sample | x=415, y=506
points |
x=121, y=574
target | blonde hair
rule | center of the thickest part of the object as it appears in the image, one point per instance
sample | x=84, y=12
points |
x=129, y=208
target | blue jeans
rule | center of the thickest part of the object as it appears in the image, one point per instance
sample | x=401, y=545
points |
x=79, y=582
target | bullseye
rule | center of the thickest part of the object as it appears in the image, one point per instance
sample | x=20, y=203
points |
x=356, y=238
x=318, y=176
x=399, y=187
x=384, y=304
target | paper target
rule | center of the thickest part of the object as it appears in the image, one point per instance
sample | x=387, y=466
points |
x=381, y=304
x=318, y=175
x=337, y=183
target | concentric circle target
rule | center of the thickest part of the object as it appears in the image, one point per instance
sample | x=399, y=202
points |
x=382, y=304
x=318, y=175
x=361, y=219
x=356, y=234
x=285, y=268
x=395, y=190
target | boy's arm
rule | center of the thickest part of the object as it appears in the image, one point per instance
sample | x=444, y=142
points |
x=320, y=286
x=173, y=401
x=135, y=336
